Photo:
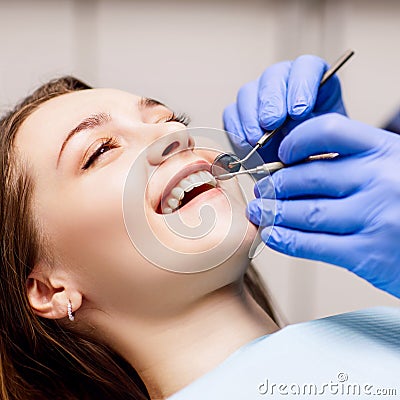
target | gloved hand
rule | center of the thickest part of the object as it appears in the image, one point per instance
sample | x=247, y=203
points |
x=344, y=211
x=285, y=89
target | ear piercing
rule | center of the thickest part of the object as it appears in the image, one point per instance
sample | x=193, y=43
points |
x=69, y=310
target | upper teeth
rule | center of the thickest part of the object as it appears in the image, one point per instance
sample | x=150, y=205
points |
x=172, y=201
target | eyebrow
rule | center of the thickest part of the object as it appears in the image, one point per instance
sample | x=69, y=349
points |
x=100, y=119
x=91, y=122
x=147, y=102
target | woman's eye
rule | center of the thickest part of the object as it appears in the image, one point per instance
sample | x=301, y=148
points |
x=181, y=117
x=106, y=145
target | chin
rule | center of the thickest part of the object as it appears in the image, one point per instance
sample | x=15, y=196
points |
x=231, y=271
x=217, y=228
x=242, y=236
x=208, y=232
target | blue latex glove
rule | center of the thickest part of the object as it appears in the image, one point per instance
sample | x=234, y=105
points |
x=344, y=211
x=285, y=89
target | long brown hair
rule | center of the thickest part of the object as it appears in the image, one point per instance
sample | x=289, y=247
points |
x=39, y=358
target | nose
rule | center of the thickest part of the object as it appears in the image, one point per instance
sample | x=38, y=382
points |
x=171, y=138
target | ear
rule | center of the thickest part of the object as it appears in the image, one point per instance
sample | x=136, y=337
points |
x=49, y=292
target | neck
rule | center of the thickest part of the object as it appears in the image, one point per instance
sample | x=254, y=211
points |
x=174, y=353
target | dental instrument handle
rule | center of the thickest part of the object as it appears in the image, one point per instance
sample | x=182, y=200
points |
x=270, y=168
x=336, y=66
x=327, y=75
x=276, y=166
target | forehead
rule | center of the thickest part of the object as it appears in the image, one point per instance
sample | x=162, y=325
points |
x=53, y=119
x=64, y=110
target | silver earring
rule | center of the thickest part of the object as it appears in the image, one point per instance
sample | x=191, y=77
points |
x=69, y=309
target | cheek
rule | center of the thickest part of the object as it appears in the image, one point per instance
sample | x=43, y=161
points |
x=91, y=216
x=85, y=223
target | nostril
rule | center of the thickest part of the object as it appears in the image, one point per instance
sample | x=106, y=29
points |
x=170, y=147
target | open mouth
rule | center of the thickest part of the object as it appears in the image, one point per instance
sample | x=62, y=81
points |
x=185, y=190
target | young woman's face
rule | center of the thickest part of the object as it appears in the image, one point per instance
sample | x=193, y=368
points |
x=80, y=168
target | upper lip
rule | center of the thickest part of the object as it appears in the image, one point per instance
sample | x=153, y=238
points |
x=183, y=173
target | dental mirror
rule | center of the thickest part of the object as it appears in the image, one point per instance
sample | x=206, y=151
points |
x=225, y=163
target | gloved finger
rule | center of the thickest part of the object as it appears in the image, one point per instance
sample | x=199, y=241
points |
x=265, y=188
x=329, y=133
x=261, y=212
x=304, y=79
x=233, y=126
x=234, y=131
x=319, y=215
x=323, y=178
x=247, y=106
x=338, y=216
x=333, y=249
x=272, y=92
x=269, y=152
x=330, y=97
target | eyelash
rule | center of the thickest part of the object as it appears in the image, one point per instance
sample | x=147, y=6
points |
x=112, y=142
x=181, y=117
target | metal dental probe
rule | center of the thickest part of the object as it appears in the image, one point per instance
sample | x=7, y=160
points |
x=270, y=168
x=261, y=169
x=232, y=163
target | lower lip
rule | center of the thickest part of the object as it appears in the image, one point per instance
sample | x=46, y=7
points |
x=201, y=198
